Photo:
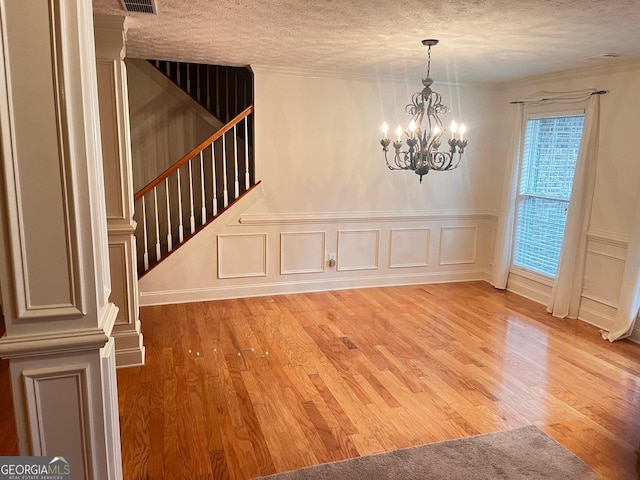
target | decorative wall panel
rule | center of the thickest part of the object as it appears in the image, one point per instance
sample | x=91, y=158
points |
x=409, y=247
x=458, y=245
x=242, y=255
x=302, y=252
x=358, y=249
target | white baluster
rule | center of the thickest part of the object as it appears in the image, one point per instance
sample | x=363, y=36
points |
x=155, y=206
x=235, y=163
x=247, y=178
x=214, y=181
x=180, y=226
x=169, y=237
x=145, y=256
x=192, y=218
x=225, y=191
x=204, y=204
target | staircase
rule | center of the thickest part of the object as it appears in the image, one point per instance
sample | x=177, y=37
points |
x=206, y=181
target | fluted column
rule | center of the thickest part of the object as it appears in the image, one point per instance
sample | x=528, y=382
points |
x=110, y=33
x=54, y=270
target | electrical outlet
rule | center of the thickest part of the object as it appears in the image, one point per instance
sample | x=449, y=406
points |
x=331, y=260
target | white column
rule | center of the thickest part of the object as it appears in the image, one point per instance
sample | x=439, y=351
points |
x=54, y=270
x=110, y=33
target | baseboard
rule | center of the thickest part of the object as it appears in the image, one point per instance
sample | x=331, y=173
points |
x=282, y=288
x=133, y=357
x=635, y=335
x=528, y=291
x=597, y=319
x=129, y=349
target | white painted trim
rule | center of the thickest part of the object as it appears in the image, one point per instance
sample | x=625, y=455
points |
x=605, y=67
x=597, y=299
x=528, y=291
x=304, y=286
x=130, y=357
x=635, y=335
x=365, y=77
x=594, y=318
x=531, y=275
x=119, y=226
x=362, y=217
x=606, y=255
x=608, y=238
x=26, y=346
x=111, y=411
x=130, y=351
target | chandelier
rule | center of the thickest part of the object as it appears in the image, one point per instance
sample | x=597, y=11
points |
x=423, y=136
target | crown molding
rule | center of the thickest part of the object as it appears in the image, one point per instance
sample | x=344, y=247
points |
x=359, y=76
x=603, y=67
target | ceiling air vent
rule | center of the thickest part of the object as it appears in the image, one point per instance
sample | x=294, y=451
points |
x=140, y=6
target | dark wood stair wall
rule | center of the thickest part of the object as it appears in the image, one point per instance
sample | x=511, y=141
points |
x=223, y=91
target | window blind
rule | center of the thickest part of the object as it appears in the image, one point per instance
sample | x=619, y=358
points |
x=549, y=157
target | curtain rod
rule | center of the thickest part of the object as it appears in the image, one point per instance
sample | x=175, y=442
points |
x=599, y=92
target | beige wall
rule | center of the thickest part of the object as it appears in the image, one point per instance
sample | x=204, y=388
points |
x=318, y=146
x=328, y=191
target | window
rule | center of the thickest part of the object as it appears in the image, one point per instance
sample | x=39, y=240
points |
x=549, y=157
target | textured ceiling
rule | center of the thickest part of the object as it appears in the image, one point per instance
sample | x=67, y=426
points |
x=480, y=40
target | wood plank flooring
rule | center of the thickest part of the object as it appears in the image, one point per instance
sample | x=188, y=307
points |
x=247, y=387
x=240, y=388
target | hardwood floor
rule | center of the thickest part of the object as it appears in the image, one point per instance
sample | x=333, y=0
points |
x=247, y=387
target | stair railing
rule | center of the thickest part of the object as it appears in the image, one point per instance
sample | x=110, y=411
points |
x=221, y=168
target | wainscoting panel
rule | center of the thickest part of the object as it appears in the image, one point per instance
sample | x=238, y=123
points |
x=372, y=249
x=48, y=392
x=409, y=247
x=302, y=252
x=109, y=129
x=358, y=249
x=458, y=245
x=242, y=255
x=603, y=277
x=119, y=263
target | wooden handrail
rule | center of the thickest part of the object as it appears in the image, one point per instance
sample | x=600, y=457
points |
x=189, y=156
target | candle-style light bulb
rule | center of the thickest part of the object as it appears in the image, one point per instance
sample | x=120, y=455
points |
x=462, y=130
x=454, y=127
x=436, y=130
x=385, y=129
x=399, y=133
x=412, y=127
